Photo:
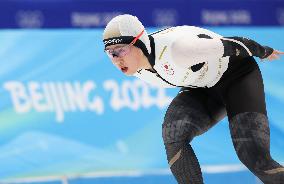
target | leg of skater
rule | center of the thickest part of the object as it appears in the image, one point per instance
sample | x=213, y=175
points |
x=251, y=139
x=190, y=114
x=249, y=127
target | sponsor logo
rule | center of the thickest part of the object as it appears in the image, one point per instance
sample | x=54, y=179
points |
x=92, y=19
x=201, y=75
x=186, y=74
x=168, y=30
x=162, y=53
x=165, y=17
x=112, y=41
x=29, y=19
x=238, y=52
x=221, y=17
x=168, y=69
x=280, y=16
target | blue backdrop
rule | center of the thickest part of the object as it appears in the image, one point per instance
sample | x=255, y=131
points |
x=96, y=13
x=65, y=110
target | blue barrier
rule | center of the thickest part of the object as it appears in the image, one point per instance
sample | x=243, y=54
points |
x=94, y=14
x=65, y=110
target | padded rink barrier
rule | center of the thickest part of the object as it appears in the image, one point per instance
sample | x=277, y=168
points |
x=221, y=178
x=102, y=125
x=241, y=177
x=96, y=13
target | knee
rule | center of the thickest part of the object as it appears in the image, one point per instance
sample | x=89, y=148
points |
x=263, y=166
x=176, y=134
x=182, y=125
x=176, y=131
x=250, y=136
x=254, y=155
x=255, y=160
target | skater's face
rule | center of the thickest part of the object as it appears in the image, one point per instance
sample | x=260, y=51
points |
x=125, y=57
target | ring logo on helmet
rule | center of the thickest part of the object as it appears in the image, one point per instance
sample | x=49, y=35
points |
x=113, y=41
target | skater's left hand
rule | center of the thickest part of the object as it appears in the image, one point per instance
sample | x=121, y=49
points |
x=275, y=55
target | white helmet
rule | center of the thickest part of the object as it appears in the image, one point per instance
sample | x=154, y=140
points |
x=122, y=29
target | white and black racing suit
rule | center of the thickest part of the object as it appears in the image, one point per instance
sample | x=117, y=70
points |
x=218, y=76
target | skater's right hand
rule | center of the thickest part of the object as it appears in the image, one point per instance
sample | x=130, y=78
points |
x=275, y=55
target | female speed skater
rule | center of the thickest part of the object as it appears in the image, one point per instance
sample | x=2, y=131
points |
x=218, y=77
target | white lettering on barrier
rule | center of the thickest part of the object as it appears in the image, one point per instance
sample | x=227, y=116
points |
x=217, y=17
x=19, y=96
x=135, y=94
x=54, y=97
x=61, y=97
x=92, y=19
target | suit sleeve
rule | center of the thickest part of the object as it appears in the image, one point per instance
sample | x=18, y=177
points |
x=240, y=46
x=190, y=50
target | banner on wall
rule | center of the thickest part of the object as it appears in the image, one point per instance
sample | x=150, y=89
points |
x=96, y=14
x=65, y=109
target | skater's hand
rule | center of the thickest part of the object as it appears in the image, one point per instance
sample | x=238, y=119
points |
x=275, y=55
